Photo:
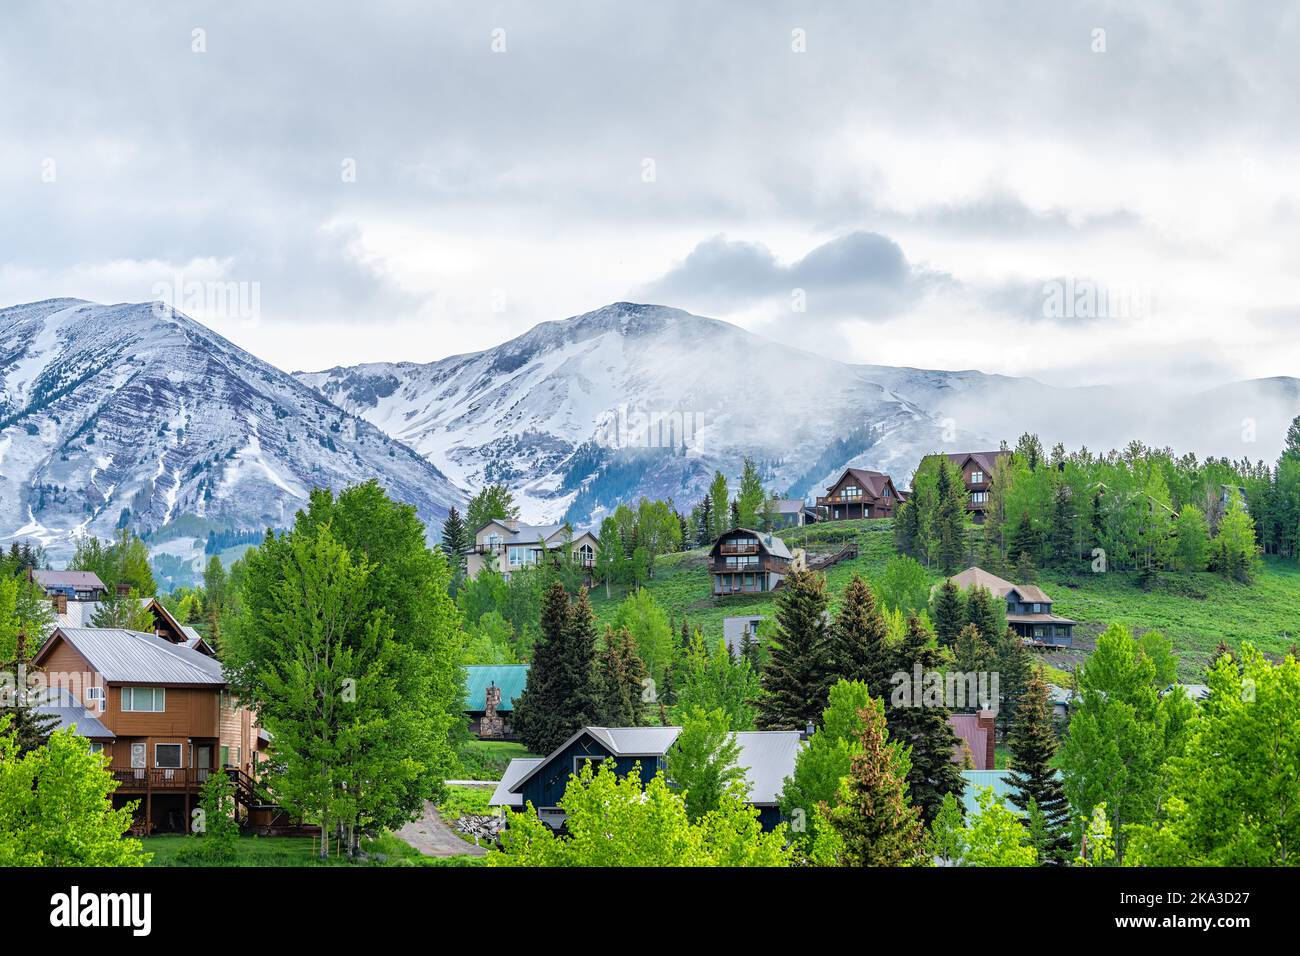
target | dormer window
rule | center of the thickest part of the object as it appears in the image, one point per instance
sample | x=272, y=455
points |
x=977, y=477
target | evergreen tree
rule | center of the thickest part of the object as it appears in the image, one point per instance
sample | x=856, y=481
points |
x=873, y=823
x=622, y=680
x=948, y=611
x=1015, y=668
x=1061, y=550
x=982, y=610
x=1025, y=539
x=456, y=540
x=923, y=726
x=1033, y=778
x=972, y=654
x=858, y=642
x=907, y=528
x=561, y=693
x=950, y=520
x=795, y=677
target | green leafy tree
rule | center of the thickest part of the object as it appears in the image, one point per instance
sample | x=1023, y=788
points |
x=701, y=765
x=904, y=586
x=55, y=807
x=492, y=503
x=642, y=617
x=796, y=677
x=125, y=611
x=616, y=821
x=992, y=837
x=611, y=560
x=215, y=839
x=1234, y=552
x=622, y=680
x=750, y=496
x=708, y=678
x=1193, y=539
x=720, y=499
x=825, y=761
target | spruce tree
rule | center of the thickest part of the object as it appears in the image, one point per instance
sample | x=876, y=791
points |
x=907, y=528
x=542, y=716
x=456, y=540
x=950, y=520
x=796, y=676
x=622, y=680
x=981, y=612
x=1025, y=539
x=874, y=821
x=1033, y=779
x=972, y=654
x=583, y=690
x=1061, y=549
x=858, y=642
x=923, y=726
x=948, y=613
x=1015, y=668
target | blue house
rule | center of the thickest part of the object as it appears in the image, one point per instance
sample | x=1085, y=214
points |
x=767, y=757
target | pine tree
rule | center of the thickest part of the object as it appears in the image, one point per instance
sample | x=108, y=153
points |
x=874, y=822
x=1061, y=551
x=950, y=520
x=972, y=654
x=907, y=528
x=981, y=612
x=948, y=613
x=1015, y=668
x=456, y=540
x=541, y=716
x=796, y=676
x=1033, y=778
x=1025, y=539
x=622, y=680
x=923, y=725
x=858, y=642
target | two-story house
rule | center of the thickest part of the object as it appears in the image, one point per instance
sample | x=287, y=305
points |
x=77, y=586
x=748, y=562
x=976, y=469
x=859, y=493
x=766, y=757
x=161, y=711
x=1029, y=609
x=508, y=545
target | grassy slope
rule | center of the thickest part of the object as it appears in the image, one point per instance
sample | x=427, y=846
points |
x=1195, y=610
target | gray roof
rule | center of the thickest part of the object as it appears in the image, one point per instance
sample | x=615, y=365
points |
x=771, y=542
x=63, y=704
x=767, y=757
x=532, y=533
x=733, y=630
x=1193, y=691
x=66, y=579
x=516, y=770
x=788, y=506
x=130, y=657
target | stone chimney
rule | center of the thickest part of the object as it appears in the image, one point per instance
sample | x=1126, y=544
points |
x=986, y=719
x=60, y=602
x=491, y=724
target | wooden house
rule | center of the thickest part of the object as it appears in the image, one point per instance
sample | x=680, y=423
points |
x=161, y=711
x=859, y=493
x=748, y=562
x=507, y=545
x=976, y=469
x=70, y=586
x=79, y=614
x=1029, y=609
x=766, y=757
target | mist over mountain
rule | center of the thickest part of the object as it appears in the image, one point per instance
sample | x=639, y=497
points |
x=136, y=415
x=571, y=415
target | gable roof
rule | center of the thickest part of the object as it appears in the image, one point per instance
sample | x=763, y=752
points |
x=977, y=577
x=987, y=460
x=733, y=630
x=788, y=506
x=1031, y=593
x=131, y=657
x=519, y=767
x=509, y=677
x=67, y=579
x=873, y=481
x=766, y=540
x=767, y=757
x=522, y=533
x=82, y=614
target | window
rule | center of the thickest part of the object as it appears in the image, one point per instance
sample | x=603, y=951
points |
x=94, y=697
x=580, y=762
x=167, y=756
x=96, y=748
x=225, y=756
x=1038, y=608
x=851, y=491
x=494, y=540
x=977, y=477
x=979, y=497
x=144, y=700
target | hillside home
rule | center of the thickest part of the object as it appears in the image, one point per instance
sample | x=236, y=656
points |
x=1029, y=609
x=767, y=758
x=792, y=513
x=161, y=711
x=75, y=586
x=748, y=562
x=490, y=695
x=735, y=628
x=507, y=544
x=82, y=614
x=976, y=468
x=859, y=493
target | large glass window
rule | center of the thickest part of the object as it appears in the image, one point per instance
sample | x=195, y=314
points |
x=167, y=756
x=145, y=700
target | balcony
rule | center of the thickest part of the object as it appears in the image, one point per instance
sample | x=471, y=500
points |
x=738, y=547
x=157, y=778
x=824, y=501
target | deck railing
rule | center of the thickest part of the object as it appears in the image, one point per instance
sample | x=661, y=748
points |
x=159, y=778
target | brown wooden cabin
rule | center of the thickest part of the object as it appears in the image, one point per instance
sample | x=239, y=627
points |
x=165, y=625
x=859, y=494
x=1029, y=609
x=748, y=562
x=162, y=712
x=976, y=468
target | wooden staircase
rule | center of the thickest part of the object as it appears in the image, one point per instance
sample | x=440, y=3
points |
x=262, y=814
x=846, y=553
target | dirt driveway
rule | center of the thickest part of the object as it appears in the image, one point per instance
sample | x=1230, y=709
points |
x=432, y=837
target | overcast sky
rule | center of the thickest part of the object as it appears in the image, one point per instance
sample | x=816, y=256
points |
x=930, y=184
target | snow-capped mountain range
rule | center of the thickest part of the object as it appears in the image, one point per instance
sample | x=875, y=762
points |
x=137, y=414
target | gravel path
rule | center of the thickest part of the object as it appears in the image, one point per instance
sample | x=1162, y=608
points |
x=432, y=837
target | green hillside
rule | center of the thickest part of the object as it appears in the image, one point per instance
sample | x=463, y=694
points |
x=1196, y=610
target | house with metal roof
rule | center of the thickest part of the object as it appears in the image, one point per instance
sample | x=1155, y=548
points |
x=766, y=757
x=1029, y=609
x=735, y=628
x=82, y=614
x=490, y=695
x=507, y=544
x=71, y=585
x=162, y=712
x=743, y=561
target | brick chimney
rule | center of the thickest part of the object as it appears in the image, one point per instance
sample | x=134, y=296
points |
x=123, y=590
x=986, y=719
x=60, y=602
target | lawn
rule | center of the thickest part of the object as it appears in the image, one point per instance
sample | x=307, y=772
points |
x=487, y=759
x=1195, y=610
x=385, y=850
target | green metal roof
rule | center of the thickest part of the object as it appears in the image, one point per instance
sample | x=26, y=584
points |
x=509, y=677
x=999, y=780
